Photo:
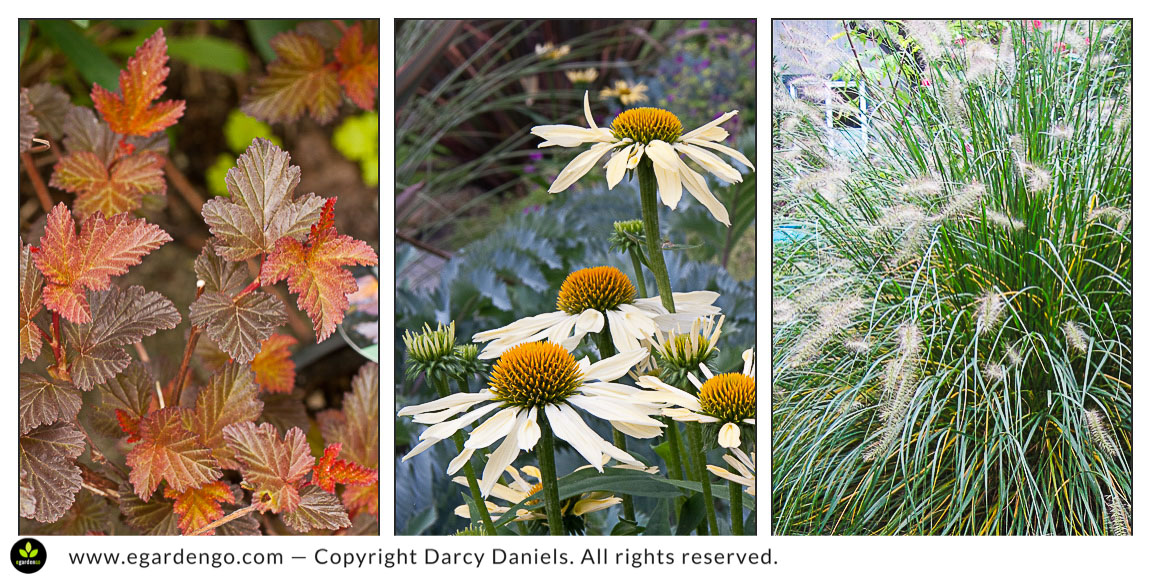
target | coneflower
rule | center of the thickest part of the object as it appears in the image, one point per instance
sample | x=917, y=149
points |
x=988, y=310
x=1075, y=337
x=1101, y=432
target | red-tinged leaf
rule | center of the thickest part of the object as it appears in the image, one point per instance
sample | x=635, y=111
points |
x=154, y=516
x=28, y=123
x=362, y=499
x=200, y=506
x=272, y=468
x=246, y=525
x=84, y=132
x=170, y=452
x=330, y=470
x=315, y=271
x=297, y=80
x=110, y=191
x=285, y=411
x=238, y=326
x=361, y=436
x=105, y=247
x=129, y=425
x=317, y=510
x=50, y=106
x=228, y=398
x=260, y=208
x=132, y=111
x=31, y=284
x=359, y=67
x=48, y=473
x=44, y=400
x=129, y=396
x=273, y=366
x=122, y=318
x=218, y=274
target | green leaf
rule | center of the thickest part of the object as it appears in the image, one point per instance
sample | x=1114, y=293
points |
x=23, y=553
x=94, y=66
x=691, y=513
x=658, y=520
x=718, y=490
x=24, y=32
x=421, y=521
x=209, y=53
x=262, y=32
x=627, y=528
x=615, y=480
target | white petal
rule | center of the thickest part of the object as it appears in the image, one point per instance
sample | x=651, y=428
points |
x=588, y=112
x=568, y=136
x=445, y=429
x=617, y=165
x=501, y=458
x=713, y=134
x=590, y=320
x=588, y=505
x=697, y=132
x=729, y=436
x=612, y=409
x=708, y=375
x=749, y=356
x=671, y=188
x=422, y=446
x=460, y=460
x=562, y=330
x=620, y=337
x=567, y=424
x=528, y=435
x=732, y=461
x=662, y=155
x=726, y=150
x=522, y=327
x=579, y=166
x=494, y=428
x=692, y=378
x=711, y=163
x=634, y=159
x=698, y=188
x=638, y=431
x=616, y=366
x=446, y=402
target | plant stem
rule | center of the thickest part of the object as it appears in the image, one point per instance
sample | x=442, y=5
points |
x=37, y=182
x=648, y=206
x=736, y=502
x=547, y=459
x=193, y=336
x=237, y=514
x=607, y=350
x=469, y=472
x=675, y=465
x=694, y=437
x=641, y=286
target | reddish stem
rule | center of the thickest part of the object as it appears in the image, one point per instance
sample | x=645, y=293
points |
x=182, y=374
x=37, y=182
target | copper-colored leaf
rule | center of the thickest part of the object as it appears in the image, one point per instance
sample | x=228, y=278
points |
x=200, y=506
x=153, y=516
x=84, y=132
x=218, y=274
x=28, y=123
x=362, y=499
x=260, y=208
x=132, y=111
x=296, y=81
x=330, y=470
x=315, y=271
x=49, y=476
x=44, y=400
x=170, y=452
x=238, y=326
x=273, y=366
x=105, y=247
x=121, y=318
x=129, y=396
x=318, y=510
x=228, y=398
x=272, y=468
x=359, y=67
x=246, y=525
x=50, y=106
x=361, y=437
x=31, y=283
x=110, y=190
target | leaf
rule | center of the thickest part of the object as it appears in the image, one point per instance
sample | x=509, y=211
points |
x=154, y=516
x=285, y=411
x=218, y=274
x=238, y=326
x=359, y=67
x=260, y=209
x=200, y=506
x=48, y=469
x=330, y=471
x=87, y=58
x=361, y=436
x=31, y=284
x=246, y=525
x=121, y=318
x=132, y=111
x=272, y=468
x=84, y=132
x=315, y=271
x=50, y=106
x=44, y=400
x=228, y=398
x=296, y=81
x=105, y=247
x=28, y=123
x=210, y=53
x=109, y=190
x=89, y=514
x=362, y=499
x=129, y=395
x=273, y=366
x=318, y=510
x=170, y=452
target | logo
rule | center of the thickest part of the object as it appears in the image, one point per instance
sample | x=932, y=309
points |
x=28, y=555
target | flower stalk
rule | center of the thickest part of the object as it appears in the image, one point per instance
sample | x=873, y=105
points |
x=469, y=473
x=695, y=439
x=607, y=350
x=646, y=175
x=547, y=457
x=736, y=503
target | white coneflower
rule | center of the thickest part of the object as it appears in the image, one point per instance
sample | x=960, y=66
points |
x=656, y=134
x=1101, y=432
x=585, y=76
x=1118, y=524
x=961, y=202
x=591, y=298
x=1004, y=221
x=988, y=310
x=727, y=399
x=858, y=346
x=550, y=51
x=994, y=372
x=628, y=93
x=744, y=466
x=530, y=381
x=1060, y=132
x=690, y=347
x=519, y=490
x=1075, y=336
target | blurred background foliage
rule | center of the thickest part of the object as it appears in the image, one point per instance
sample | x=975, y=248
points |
x=481, y=242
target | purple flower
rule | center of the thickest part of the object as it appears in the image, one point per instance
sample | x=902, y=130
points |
x=721, y=37
x=529, y=168
x=536, y=156
x=679, y=58
x=704, y=24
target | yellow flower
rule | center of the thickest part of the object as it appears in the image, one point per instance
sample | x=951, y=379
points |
x=657, y=134
x=549, y=51
x=626, y=92
x=586, y=76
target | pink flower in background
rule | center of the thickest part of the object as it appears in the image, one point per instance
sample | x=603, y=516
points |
x=968, y=147
x=1036, y=24
x=925, y=81
x=960, y=41
x=1060, y=47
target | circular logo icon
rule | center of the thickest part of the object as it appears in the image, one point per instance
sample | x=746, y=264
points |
x=28, y=555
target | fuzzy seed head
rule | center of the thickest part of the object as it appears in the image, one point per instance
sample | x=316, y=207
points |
x=1075, y=336
x=1101, y=432
x=988, y=310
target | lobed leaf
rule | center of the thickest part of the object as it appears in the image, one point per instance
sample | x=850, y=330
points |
x=272, y=468
x=109, y=190
x=285, y=411
x=31, y=284
x=297, y=81
x=218, y=274
x=170, y=452
x=129, y=395
x=238, y=326
x=259, y=209
x=122, y=318
x=200, y=506
x=49, y=477
x=361, y=437
x=105, y=247
x=154, y=516
x=247, y=525
x=228, y=398
x=362, y=499
x=50, y=106
x=133, y=111
x=274, y=369
x=330, y=470
x=359, y=67
x=28, y=124
x=84, y=132
x=318, y=510
x=315, y=271
x=44, y=400
x=89, y=514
